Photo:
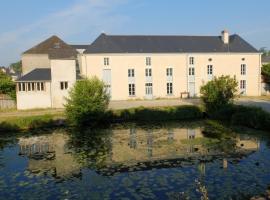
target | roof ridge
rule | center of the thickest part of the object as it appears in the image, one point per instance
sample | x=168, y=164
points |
x=124, y=35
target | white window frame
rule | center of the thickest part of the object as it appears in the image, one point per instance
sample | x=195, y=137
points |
x=106, y=61
x=169, y=88
x=169, y=71
x=191, y=71
x=131, y=89
x=209, y=69
x=148, y=72
x=191, y=60
x=148, y=61
x=243, y=84
x=131, y=73
x=243, y=69
x=63, y=85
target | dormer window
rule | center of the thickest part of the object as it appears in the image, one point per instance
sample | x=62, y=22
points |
x=57, y=45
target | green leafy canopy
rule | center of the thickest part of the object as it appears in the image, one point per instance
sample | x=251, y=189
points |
x=218, y=93
x=87, y=102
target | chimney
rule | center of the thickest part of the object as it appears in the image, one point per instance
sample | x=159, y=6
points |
x=225, y=36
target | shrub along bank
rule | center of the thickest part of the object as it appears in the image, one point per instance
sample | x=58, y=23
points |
x=140, y=114
x=252, y=117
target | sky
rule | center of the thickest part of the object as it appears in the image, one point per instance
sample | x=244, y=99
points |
x=25, y=23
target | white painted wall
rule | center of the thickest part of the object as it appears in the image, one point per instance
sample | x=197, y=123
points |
x=34, y=99
x=33, y=61
x=62, y=70
x=223, y=64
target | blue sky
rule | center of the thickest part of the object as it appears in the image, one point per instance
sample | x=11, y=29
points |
x=25, y=23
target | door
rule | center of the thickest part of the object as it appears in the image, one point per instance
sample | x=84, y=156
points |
x=149, y=90
x=191, y=89
x=107, y=80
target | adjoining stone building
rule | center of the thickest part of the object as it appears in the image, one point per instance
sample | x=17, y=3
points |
x=139, y=67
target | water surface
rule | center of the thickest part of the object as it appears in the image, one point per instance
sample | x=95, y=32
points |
x=168, y=161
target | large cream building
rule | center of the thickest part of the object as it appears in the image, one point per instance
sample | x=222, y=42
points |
x=138, y=67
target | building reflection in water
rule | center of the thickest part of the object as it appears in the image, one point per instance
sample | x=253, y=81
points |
x=50, y=153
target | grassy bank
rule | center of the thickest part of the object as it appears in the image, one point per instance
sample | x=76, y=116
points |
x=140, y=114
x=237, y=115
x=9, y=124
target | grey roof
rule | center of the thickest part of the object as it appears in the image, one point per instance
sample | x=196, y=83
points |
x=168, y=44
x=55, y=48
x=80, y=46
x=265, y=58
x=38, y=74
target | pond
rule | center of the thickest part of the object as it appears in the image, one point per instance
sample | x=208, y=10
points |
x=163, y=161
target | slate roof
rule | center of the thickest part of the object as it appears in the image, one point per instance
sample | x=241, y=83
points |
x=38, y=74
x=265, y=58
x=41, y=74
x=168, y=44
x=80, y=46
x=55, y=48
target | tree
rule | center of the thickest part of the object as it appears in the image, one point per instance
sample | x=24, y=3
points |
x=87, y=102
x=218, y=93
x=7, y=86
x=17, y=67
x=266, y=73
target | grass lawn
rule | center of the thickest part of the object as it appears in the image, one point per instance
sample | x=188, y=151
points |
x=266, y=98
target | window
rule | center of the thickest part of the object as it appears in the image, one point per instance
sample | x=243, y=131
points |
x=191, y=71
x=23, y=86
x=243, y=84
x=63, y=85
x=131, y=73
x=169, y=71
x=148, y=88
x=106, y=61
x=33, y=86
x=243, y=69
x=148, y=61
x=131, y=89
x=210, y=69
x=148, y=72
x=169, y=88
x=191, y=60
x=29, y=88
x=40, y=86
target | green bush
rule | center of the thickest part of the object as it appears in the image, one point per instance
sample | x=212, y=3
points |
x=7, y=86
x=87, y=103
x=218, y=93
x=252, y=117
x=266, y=73
x=157, y=114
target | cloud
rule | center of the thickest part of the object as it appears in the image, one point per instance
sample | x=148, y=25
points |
x=85, y=17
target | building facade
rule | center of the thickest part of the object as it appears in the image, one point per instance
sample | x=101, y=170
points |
x=151, y=67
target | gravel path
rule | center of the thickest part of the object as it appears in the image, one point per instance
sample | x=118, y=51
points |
x=264, y=104
x=115, y=105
